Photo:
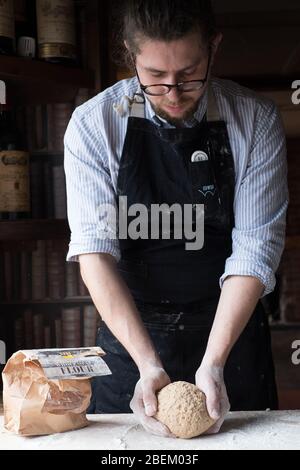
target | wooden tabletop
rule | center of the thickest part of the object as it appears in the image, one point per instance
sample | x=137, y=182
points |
x=241, y=430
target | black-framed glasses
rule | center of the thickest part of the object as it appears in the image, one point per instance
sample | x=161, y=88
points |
x=163, y=88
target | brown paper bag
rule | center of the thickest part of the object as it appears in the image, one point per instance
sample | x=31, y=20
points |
x=35, y=404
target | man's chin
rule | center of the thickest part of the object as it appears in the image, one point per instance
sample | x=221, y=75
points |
x=175, y=115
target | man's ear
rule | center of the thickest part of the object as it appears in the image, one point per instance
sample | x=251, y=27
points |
x=126, y=44
x=215, y=43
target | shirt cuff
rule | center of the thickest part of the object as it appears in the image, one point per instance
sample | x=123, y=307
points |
x=93, y=246
x=248, y=268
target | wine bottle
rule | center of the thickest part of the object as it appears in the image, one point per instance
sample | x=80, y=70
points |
x=7, y=27
x=14, y=167
x=57, y=31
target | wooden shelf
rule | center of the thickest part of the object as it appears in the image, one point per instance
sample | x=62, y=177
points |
x=283, y=326
x=47, y=301
x=55, y=229
x=44, y=229
x=35, y=81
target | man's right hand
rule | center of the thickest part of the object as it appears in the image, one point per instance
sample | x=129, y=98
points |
x=144, y=401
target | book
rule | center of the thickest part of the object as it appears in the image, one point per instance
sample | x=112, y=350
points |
x=8, y=275
x=25, y=275
x=55, y=271
x=28, y=328
x=39, y=289
x=90, y=323
x=48, y=188
x=71, y=276
x=71, y=327
x=59, y=192
x=38, y=331
x=37, y=188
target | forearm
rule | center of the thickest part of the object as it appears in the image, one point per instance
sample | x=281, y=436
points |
x=238, y=300
x=114, y=301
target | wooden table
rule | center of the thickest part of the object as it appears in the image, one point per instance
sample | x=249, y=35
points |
x=243, y=430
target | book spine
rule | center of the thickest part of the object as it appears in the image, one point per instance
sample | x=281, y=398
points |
x=90, y=321
x=39, y=290
x=71, y=327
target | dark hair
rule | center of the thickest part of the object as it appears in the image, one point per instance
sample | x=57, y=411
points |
x=164, y=20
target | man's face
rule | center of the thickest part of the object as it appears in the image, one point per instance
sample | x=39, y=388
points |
x=173, y=62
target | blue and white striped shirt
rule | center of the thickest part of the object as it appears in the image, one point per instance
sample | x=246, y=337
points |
x=93, y=147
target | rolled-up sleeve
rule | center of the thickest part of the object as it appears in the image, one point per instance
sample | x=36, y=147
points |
x=261, y=203
x=89, y=188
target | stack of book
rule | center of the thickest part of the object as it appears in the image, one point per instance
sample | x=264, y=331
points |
x=42, y=274
x=69, y=327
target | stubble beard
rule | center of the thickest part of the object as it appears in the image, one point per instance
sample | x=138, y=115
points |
x=177, y=121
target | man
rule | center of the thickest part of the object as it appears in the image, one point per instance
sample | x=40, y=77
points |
x=175, y=135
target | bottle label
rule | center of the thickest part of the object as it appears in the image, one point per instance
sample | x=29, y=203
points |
x=14, y=181
x=56, y=23
x=7, y=22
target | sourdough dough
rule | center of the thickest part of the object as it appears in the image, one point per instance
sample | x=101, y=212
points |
x=182, y=408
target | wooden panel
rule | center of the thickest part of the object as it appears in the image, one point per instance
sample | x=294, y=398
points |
x=64, y=300
x=292, y=243
x=260, y=47
x=34, y=70
x=253, y=19
x=287, y=374
x=47, y=229
x=35, y=81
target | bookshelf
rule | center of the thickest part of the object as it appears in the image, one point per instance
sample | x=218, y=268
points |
x=53, y=300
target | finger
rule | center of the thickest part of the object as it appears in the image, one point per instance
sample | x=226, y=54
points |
x=225, y=407
x=213, y=403
x=150, y=401
x=153, y=426
x=137, y=405
x=211, y=389
x=215, y=427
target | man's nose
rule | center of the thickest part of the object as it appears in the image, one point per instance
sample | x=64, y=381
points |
x=174, y=94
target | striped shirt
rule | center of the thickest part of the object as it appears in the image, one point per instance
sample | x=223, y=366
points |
x=93, y=148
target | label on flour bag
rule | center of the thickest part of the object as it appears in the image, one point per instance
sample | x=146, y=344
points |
x=70, y=363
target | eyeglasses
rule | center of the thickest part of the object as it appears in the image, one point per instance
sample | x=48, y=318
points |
x=163, y=88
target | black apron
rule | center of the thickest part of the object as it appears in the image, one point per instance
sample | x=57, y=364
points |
x=177, y=290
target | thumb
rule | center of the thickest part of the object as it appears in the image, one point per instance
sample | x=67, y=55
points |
x=213, y=404
x=150, y=402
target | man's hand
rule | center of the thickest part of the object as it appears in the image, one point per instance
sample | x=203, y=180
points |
x=144, y=401
x=210, y=380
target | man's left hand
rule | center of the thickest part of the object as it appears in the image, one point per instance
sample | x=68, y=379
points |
x=210, y=380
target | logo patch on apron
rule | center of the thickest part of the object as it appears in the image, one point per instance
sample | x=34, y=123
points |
x=199, y=156
x=206, y=190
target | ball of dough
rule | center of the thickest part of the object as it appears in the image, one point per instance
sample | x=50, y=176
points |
x=182, y=408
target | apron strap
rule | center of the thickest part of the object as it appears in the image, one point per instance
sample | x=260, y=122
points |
x=213, y=114
x=138, y=106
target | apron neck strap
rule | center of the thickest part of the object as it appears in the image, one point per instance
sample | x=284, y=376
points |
x=138, y=106
x=213, y=114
